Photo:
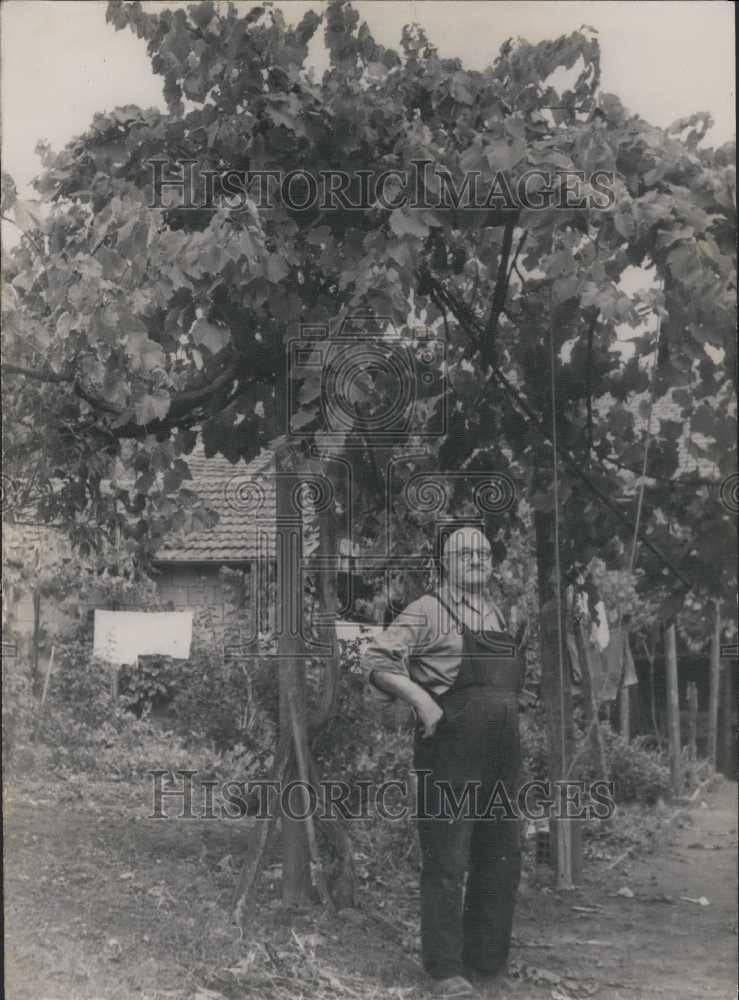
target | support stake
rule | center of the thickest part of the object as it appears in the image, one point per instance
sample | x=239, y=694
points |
x=673, y=708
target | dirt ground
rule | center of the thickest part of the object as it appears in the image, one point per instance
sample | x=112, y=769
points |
x=103, y=902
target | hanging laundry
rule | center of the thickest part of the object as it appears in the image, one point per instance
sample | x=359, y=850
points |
x=122, y=636
x=595, y=662
x=585, y=604
x=612, y=665
x=574, y=654
x=630, y=675
x=600, y=633
x=618, y=664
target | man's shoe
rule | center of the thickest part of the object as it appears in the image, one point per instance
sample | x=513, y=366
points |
x=455, y=988
x=490, y=983
x=482, y=976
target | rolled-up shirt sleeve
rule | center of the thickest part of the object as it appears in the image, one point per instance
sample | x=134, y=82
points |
x=390, y=650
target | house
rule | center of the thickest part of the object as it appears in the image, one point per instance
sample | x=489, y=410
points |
x=188, y=569
x=32, y=555
x=216, y=572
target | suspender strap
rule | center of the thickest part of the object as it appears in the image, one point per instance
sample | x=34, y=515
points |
x=449, y=610
x=458, y=620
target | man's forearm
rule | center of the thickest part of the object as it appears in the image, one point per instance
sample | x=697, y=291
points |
x=401, y=686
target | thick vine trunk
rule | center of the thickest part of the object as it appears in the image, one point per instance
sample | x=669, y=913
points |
x=293, y=759
x=327, y=548
x=259, y=844
x=296, y=882
x=342, y=882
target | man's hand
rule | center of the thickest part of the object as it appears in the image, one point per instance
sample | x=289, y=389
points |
x=427, y=710
x=429, y=715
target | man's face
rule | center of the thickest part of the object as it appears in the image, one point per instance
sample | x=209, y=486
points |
x=468, y=559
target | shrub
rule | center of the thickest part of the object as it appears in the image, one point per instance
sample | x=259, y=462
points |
x=366, y=742
x=122, y=745
x=19, y=711
x=82, y=729
x=148, y=685
x=81, y=683
x=639, y=773
x=227, y=703
x=206, y=701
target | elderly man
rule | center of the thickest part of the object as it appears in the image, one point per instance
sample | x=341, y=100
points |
x=449, y=656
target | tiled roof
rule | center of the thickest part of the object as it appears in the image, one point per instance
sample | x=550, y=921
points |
x=243, y=496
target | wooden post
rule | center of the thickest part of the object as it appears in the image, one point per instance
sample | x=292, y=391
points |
x=565, y=874
x=48, y=676
x=673, y=708
x=692, y=719
x=715, y=682
x=729, y=734
x=591, y=705
x=624, y=711
x=115, y=681
x=565, y=835
x=36, y=642
x=649, y=652
x=40, y=716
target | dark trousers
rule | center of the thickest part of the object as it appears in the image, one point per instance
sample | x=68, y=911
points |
x=471, y=865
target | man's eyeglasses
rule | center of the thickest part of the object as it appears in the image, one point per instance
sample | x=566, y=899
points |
x=467, y=555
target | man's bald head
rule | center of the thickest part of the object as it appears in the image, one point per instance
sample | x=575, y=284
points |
x=465, y=538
